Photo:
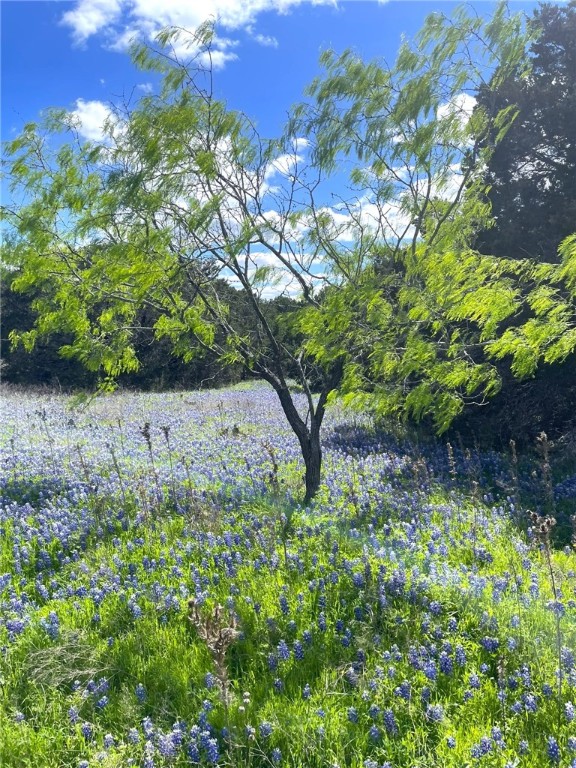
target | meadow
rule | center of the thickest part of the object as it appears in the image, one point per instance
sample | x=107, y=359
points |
x=165, y=600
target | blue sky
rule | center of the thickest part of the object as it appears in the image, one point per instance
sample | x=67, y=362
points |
x=73, y=54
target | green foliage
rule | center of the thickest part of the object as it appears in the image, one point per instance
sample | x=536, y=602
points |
x=548, y=334
x=419, y=304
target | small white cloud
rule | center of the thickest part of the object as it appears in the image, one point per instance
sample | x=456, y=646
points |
x=461, y=106
x=145, y=87
x=91, y=16
x=121, y=41
x=300, y=143
x=216, y=59
x=90, y=118
x=266, y=40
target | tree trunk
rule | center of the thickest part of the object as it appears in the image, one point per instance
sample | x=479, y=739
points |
x=312, y=455
x=309, y=439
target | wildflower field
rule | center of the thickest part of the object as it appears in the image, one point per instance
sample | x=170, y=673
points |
x=166, y=601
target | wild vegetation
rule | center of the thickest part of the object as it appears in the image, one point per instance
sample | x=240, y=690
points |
x=167, y=601
x=287, y=572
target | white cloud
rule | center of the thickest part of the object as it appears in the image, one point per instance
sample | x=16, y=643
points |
x=90, y=16
x=266, y=40
x=216, y=59
x=461, y=106
x=90, y=118
x=123, y=20
x=300, y=143
x=122, y=40
x=145, y=87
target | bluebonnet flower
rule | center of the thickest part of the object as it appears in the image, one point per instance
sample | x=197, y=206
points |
x=553, y=749
x=525, y=677
x=390, y=723
x=283, y=651
x=148, y=728
x=358, y=580
x=346, y=638
x=351, y=677
x=474, y=681
x=460, y=656
x=306, y=692
x=569, y=711
x=374, y=733
x=212, y=751
x=149, y=752
x=530, y=703
x=87, y=731
x=265, y=729
x=352, y=714
x=193, y=752
x=51, y=625
x=435, y=608
x=490, y=644
x=298, y=650
x=403, y=690
x=276, y=755
x=430, y=670
x=567, y=658
x=108, y=741
x=435, y=713
x=483, y=747
x=497, y=737
x=451, y=742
